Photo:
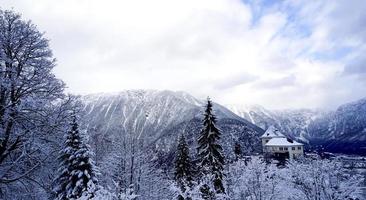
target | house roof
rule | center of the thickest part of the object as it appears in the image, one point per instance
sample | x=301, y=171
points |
x=282, y=141
x=272, y=132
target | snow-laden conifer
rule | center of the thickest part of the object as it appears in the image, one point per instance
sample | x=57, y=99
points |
x=183, y=167
x=77, y=171
x=210, y=156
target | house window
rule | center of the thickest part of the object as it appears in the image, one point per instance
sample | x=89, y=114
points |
x=293, y=148
x=266, y=141
x=281, y=148
x=299, y=148
x=286, y=148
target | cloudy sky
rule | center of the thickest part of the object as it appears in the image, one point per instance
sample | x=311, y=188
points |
x=279, y=54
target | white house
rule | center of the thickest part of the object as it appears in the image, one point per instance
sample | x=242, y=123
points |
x=276, y=144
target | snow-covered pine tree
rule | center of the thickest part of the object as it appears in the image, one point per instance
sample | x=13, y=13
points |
x=210, y=157
x=183, y=167
x=120, y=176
x=237, y=151
x=77, y=171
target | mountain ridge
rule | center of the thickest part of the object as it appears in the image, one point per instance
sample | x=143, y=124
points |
x=342, y=130
x=153, y=120
x=151, y=113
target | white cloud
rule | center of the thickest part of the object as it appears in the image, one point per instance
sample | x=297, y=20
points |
x=206, y=47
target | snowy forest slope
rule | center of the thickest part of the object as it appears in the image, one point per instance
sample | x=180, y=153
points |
x=156, y=119
x=341, y=131
x=160, y=116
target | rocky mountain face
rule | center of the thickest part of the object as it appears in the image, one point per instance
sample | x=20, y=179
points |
x=341, y=131
x=294, y=123
x=155, y=119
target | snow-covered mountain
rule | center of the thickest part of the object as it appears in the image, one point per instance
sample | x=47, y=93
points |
x=157, y=118
x=147, y=112
x=294, y=123
x=342, y=130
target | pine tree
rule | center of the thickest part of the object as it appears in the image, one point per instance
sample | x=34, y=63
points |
x=183, y=167
x=120, y=178
x=237, y=151
x=77, y=171
x=210, y=157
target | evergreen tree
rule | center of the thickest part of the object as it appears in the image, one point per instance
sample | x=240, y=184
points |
x=237, y=151
x=210, y=157
x=183, y=167
x=120, y=178
x=77, y=171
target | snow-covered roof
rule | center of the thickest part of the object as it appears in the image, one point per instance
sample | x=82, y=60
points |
x=272, y=132
x=282, y=142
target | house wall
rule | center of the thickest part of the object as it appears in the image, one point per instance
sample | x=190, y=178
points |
x=283, y=149
x=297, y=152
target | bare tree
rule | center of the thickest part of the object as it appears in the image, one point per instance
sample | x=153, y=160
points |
x=323, y=179
x=32, y=102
